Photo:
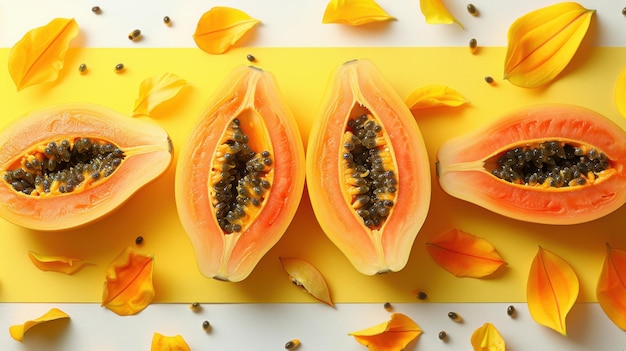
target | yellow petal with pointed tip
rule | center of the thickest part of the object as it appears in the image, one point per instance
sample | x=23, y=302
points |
x=17, y=331
x=61, y=264
x=304, y=274
x=436, y=12
x=221, y=27
x=552, y=290
x=487, y=338
x=620, y=93
x=354, y=12
x=393, y=335
x=541, y=43
x=161, y=342
x=434, y=95
x=611, y=288
x=156, y=90
x=39, y=55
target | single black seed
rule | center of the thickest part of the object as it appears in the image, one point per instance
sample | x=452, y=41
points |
x=195, y=306
x=473, y=43
x=139, y=240
x=291, y=344
x=387, y=306
x=454, y=316
x=422, y=295
x=119, y=67
x=489, y=79
x=442, y=335
x=134, y=35
x=250, y=58
x=206, y=325
x=510, y=310
x=624, y=11
x=82, y=68
x=472, y=9
x=96, y=9
x=167, y=20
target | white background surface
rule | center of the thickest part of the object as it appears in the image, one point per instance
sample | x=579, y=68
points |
x=269, y=326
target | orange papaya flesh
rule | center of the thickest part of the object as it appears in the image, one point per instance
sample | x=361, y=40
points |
x=552, y=164
x=368, y=174
x=240, y=177
x=68, y=165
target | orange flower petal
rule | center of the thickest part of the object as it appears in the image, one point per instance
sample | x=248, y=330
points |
x=168, y=343
x=59, y=264
x=393, y=335
x=487, y=338
x=39, y=55
x=464, y=254
x=305, y=275
x=611, y=289
x=354, y=12
x=221, y=27
x=128, y=287
x=17, y=331
x=156, y=90
x=552, y=290
x=436, y=12
x=433, y=96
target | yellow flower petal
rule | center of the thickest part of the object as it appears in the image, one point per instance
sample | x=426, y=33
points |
x=620, y=93
x=221, y=27
x=168, y=343
x=487, y=338
x=61, y=264
x=611, y=288
x=39, y=55
x=17, y=331
x=128, y=287
x=393, y=335
x=541, y=43
x=308, y=277
x=552, y=290
x=156, y=90
x=433, y=96
x=436, y=12
x=354, y=12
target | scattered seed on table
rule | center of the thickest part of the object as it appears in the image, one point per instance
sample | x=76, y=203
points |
x=195, y=306
x=510, y=310
x=82, y=68
x=624, y=11
x=96, y=9
x=206, y=325
x=292, y=343
x=139, y=240
x=119, y=67
x=251, y=58
x=134, y=35
x=442, y=335
x=472, y=9
x=454, y=316
x=387, y=306
x=167, y=20
x=422, y=295
x=473, y=45
x=489, y=79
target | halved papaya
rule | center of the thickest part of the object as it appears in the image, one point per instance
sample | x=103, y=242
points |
x=552, y=164
x=368, y=172
x=240, y=177
x=68, y=165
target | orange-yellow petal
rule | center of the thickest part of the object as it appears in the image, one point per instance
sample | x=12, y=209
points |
x=434, y=95
x=392, y=335
x=156, y=90
x=61, y=264
x=541, y=43
x=305, y=275
x=39, y=55
x=487, y=338
x=128, y=287
x=354, y=12
x=17, y=331
x=611, y=288
x=620, y=92
x=552, y=290
x=168, y=343
x=221, y=27
x=436, y=12
x=464, y=254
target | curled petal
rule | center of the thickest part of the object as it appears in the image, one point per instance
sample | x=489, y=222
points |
x=433, y=96
x=39, y=55
x=487, y=338
x=541, y=43
x=436, y=12
x=464, y=254
x=221, y=27
x=620, y=93
x=156, y=90
x=128, y=287
x=59, y=264
x=395, y=334
x=17, y=331
x=168, y=343
x=611, y=288
x=552, y=290
x=308, y=277
x=354, y=12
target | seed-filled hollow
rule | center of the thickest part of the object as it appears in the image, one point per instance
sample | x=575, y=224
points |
x=63, y=166
x=239, y=180
x=369, y=172
x=550, y=164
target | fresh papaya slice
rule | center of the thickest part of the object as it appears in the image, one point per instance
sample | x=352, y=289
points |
x=68, y=165
x=240, y=177
x=368, y=174
x=551, y=164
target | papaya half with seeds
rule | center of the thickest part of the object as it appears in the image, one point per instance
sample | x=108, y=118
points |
x=68, y=165
x=551, y=164
x=240, y=176
x=368, y=172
